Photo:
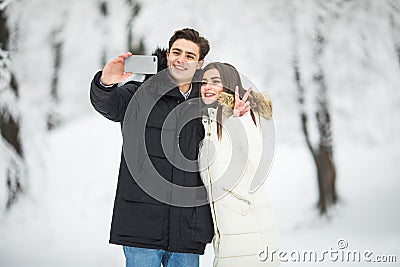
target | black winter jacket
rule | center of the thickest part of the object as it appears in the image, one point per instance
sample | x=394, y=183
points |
x=138, y=219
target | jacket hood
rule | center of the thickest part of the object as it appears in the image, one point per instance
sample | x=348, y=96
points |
x=161, y=54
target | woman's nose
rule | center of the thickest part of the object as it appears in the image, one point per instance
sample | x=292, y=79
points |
x=208, y=86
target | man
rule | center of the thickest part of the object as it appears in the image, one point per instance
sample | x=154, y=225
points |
x=153, y=232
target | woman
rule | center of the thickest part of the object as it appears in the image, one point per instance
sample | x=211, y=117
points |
x=230, y=158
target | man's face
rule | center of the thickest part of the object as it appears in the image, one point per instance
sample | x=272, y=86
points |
x=183, y=60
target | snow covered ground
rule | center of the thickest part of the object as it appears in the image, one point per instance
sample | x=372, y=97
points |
x=68, y=223
x=64, y=218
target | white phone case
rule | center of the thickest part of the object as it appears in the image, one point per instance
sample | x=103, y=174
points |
x=141, y=64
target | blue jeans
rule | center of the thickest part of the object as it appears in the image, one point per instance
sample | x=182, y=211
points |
x=146, y=257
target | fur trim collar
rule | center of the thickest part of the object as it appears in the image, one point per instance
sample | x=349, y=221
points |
x=259, y=103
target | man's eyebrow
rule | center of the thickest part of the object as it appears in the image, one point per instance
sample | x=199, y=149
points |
x=177, y=49
x=187, y=52
x=191, y=53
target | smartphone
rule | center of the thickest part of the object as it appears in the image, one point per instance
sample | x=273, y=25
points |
x=141, y=64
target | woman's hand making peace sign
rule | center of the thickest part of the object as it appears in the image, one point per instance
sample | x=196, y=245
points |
x=242, y=106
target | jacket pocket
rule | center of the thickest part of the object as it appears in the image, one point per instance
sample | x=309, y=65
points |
x=143, y=216
x=134, y=193
x=160, y=142
x=160, y=129
x=236, y=202
x=202, y=226
x=141, y=220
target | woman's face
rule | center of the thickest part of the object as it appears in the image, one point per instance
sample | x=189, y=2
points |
x=211, y=86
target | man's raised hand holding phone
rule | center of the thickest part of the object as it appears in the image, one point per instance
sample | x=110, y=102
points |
x=113, y=71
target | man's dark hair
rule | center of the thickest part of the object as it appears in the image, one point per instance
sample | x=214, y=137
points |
x=194, y=36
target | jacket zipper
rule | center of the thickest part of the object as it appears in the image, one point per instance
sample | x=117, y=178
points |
x=210, y=184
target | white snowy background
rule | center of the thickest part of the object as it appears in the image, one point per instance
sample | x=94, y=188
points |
x=63, y=219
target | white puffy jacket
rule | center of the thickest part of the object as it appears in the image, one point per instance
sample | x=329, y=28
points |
x=233, y=169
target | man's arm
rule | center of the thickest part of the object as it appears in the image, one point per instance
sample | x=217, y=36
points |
x=111, y=102
x=108, y=99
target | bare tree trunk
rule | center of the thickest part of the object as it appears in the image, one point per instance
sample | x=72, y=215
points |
x=53, y=119
x=322, y=153
x=103, y=7
x=394, y=14
x=9, y=124
x=139, y=48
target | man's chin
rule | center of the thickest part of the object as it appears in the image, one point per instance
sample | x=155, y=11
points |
x=181, y=78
